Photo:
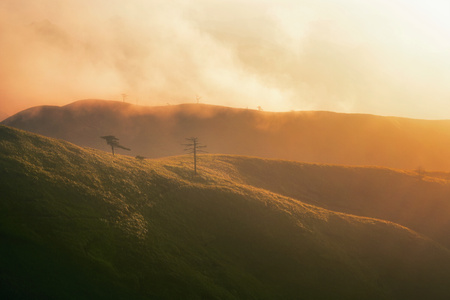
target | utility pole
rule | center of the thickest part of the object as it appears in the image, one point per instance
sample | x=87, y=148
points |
x=194, y=147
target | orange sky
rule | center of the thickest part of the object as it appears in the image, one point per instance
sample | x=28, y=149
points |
x=379, y=56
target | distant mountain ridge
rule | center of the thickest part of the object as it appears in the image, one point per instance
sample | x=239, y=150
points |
x=321, y=137
x=80, y=223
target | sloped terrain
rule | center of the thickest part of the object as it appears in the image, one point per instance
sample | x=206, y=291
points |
x=78, y=223
x=417, y=201
x=320, y=137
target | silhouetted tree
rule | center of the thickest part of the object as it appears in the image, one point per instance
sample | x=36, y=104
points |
x=194, y=147
x=114, y=143
x=420, y=173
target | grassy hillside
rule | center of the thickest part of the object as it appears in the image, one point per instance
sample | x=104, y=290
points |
x=321, y=137
x=79, y=223
x=421, y=203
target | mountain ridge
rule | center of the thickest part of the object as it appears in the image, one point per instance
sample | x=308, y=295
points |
x=320, y=137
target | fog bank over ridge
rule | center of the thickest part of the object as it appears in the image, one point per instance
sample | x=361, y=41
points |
x=386, y=58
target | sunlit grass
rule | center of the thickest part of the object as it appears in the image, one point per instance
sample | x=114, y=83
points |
x=243, y=228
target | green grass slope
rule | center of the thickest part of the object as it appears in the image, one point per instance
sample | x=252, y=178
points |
x=81, y=224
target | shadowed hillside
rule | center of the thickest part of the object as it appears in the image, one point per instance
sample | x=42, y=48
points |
x=322, y=137
x=79, y=223
x=419, y=203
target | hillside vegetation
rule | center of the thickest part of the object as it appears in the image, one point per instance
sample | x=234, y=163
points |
x=78, y=223
x=319, y=137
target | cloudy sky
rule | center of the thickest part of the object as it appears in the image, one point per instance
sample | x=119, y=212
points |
x=386, y=57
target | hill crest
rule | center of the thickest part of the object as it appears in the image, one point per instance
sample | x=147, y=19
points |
x=320, y=137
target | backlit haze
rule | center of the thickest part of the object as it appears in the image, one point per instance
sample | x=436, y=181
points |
x=378, y=56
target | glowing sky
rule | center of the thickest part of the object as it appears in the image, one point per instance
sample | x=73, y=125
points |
x=387, y=57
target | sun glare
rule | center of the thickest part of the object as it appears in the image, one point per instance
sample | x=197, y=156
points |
x=433, y=18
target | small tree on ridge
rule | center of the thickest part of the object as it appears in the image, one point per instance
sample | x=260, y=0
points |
x=194, y=147
x=114, y=143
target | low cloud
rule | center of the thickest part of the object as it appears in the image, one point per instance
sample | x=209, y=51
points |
x=279, y=55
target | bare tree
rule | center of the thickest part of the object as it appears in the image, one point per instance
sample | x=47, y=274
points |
x=113, y=142
x=194, y=147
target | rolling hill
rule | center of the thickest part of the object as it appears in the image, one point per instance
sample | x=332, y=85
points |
x=79, y=223
x=320, y=137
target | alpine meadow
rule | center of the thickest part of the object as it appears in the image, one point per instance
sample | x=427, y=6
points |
x=224, y=149
x=82, y=223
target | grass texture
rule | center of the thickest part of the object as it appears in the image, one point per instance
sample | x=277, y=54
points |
x=79, y=223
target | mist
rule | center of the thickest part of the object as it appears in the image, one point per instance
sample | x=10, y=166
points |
x=382, y=57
